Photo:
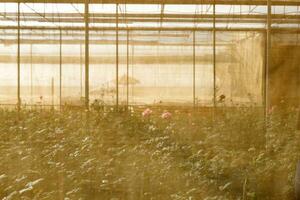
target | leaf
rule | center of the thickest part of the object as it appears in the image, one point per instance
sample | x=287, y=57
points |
x=33, y=183
x=222, y=188
x=25, y=190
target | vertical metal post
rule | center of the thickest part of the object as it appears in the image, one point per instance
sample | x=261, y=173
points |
x=18, y=63
x=127, y=69
x=80, y=70
x=132, y=67
x=194, y=70
x=268, y=58
x=214, y=52
x=86, y=19
x=117, y=57
x=31, y=77
x=60, y=68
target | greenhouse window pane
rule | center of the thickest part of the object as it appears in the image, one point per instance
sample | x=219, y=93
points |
x=140, y=8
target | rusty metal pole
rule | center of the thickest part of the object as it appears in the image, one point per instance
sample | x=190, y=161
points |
x=132, y=70
x=31, y=76
x=268, y=59
x=194, y=70
x=81, y=93
x=117, y=57
x=18, y=63
x=86, y=20
x=214, y=53
x=127, y=69
x=60, y=69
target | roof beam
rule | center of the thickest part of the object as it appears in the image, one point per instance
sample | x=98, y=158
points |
x=196, y=20
x=108, y=42
x=94, y=59
x=74, y=28
x=13, y=16
x=221, y=2
x=78, y=28
x=94, y=34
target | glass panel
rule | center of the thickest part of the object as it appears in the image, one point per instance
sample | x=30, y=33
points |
x=204, y=69
x=8, y=52
x=53, y=15
x=103, y=67
x=140, y=8
x=39, y=70
x=72, y=73
x=239, y=67
x=163, y=71
x=8, y=67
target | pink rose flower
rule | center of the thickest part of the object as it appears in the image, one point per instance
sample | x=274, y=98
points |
x=147, y=112
x=166, y=115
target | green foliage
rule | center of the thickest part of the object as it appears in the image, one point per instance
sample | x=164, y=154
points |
x=229, y=154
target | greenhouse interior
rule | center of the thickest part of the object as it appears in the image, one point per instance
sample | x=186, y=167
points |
x=150, y=99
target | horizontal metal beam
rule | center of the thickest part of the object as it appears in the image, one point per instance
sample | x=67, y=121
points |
x=50, y=16
x=71, y=34
x=80, y=28
x=134, y=17
x=107, y=42
x=163, y=20
x=221, y=2
x=96, y=60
